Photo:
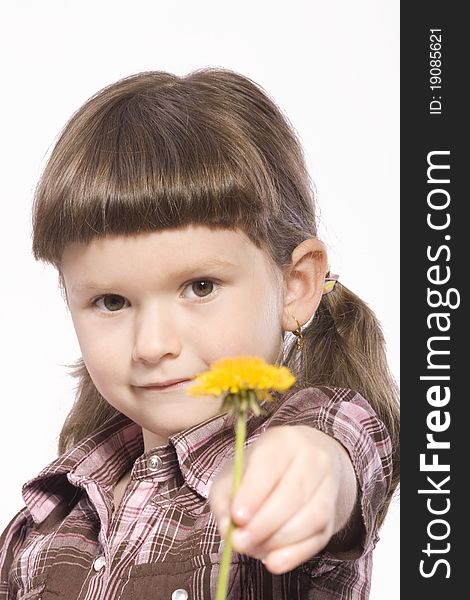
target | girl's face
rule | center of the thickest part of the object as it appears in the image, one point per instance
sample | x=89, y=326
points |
x=165, y=305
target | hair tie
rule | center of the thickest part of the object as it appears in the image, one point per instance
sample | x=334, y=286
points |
x=330, y=281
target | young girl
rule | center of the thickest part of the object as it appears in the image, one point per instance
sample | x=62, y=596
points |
x=180, y=216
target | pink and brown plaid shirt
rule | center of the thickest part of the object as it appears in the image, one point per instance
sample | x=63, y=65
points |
x=68, y=542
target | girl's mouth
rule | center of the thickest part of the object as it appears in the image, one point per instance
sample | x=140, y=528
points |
x=161, y=388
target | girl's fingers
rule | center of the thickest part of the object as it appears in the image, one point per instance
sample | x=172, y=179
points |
x=314, y=520
x=281, y=561
x=292, y=496
x=256, y=484
x=277, y=484
x=265, y=465
x=271, y=457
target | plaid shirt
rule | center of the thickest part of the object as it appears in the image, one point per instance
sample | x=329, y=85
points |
x=68, y=542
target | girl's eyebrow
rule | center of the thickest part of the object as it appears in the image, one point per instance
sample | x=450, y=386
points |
x=186, y=271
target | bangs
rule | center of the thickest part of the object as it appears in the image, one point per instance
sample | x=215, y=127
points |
x=141, y=160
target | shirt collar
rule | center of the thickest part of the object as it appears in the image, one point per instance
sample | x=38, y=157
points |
x=118, y=445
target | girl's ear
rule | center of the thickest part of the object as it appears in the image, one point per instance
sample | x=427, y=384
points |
x=303, y=283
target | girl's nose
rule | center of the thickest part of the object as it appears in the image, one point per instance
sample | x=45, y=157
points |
x=155, y=336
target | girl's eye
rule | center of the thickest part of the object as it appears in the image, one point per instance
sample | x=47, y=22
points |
x=202, y=287
x=112, y=302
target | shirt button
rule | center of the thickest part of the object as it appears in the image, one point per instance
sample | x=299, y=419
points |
x=154, y=463
x=179, y=595
x=99, y=563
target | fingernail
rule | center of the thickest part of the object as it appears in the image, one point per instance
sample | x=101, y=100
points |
x=242, y=513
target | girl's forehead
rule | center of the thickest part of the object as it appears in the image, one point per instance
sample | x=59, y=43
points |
x=171, y=251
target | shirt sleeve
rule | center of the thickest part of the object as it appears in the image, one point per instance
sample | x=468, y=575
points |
x=11, y=542
x=347, y=417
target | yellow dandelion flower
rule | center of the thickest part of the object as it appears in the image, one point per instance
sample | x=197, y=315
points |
x=235, y=374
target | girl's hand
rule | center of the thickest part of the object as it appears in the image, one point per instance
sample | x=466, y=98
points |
x=297, y=490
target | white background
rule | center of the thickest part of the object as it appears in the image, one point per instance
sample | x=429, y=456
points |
x=333, y=69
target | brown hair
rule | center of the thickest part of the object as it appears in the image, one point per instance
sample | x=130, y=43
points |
x=156, y=150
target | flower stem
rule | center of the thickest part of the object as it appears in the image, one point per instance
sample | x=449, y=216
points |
x=240, y=435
